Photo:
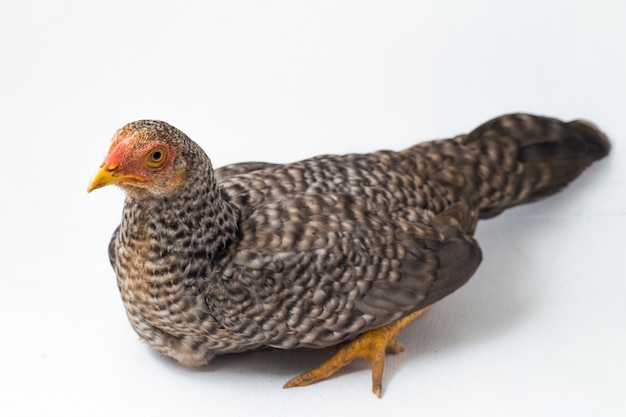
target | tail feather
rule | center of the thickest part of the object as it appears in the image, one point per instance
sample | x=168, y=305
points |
x=523, y=158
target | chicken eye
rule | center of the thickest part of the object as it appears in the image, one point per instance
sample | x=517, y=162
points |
x=156, y=156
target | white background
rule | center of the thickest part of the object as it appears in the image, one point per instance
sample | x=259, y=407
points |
x=540, y=330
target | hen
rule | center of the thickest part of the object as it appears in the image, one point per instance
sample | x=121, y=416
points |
x=330, y=251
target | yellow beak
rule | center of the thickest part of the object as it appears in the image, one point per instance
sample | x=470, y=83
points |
x=105, y=175
x=108, y=175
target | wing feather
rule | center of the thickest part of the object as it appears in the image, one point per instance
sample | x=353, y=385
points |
x=316, y=270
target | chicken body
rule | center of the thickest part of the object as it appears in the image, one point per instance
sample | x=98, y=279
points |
x=317, y=252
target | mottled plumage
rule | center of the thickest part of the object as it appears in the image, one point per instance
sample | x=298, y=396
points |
x=314, y=253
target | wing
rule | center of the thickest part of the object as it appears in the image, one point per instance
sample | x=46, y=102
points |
x=317, y=270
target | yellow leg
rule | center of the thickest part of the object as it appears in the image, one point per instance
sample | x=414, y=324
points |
x=370, y=346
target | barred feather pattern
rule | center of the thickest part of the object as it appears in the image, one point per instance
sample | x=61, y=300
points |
x=313, y=253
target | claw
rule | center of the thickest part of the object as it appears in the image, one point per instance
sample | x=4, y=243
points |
x=370, y=346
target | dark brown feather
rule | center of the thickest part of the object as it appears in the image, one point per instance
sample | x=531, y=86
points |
x=313, y=253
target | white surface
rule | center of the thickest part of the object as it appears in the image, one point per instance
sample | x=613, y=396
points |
x=539, y=330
